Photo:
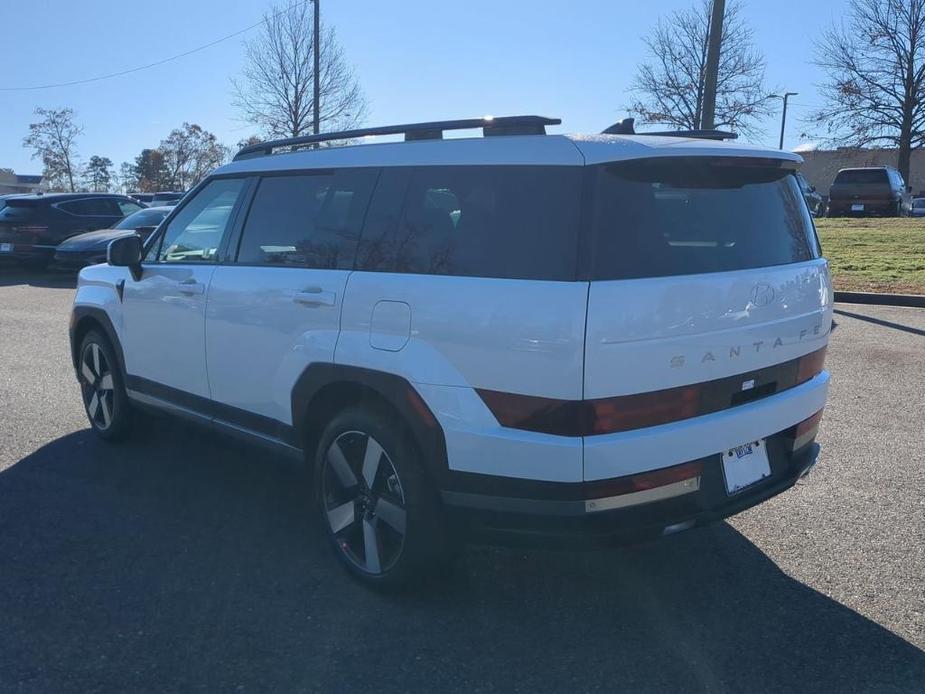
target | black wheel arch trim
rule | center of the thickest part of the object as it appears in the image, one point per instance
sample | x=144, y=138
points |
x=79, y=316
x=395, y=390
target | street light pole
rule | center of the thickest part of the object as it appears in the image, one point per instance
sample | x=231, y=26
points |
x=714, y=48
x=316, y=45
x=783, y=117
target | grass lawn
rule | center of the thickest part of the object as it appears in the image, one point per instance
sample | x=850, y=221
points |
x=875, y=255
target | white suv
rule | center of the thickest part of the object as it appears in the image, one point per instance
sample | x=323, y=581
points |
x=512, y=337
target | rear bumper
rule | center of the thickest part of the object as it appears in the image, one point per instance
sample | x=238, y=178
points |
x=568, y=522
x=842, y=208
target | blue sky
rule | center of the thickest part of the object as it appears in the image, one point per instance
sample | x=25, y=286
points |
x=416, y=60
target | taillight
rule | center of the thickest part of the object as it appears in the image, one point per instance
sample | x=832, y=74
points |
x=806, y=431
x=810, y=366
x=590, y=417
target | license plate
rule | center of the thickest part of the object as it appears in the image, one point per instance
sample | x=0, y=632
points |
x=6, y=247
x=857, y=208
x=745, y=465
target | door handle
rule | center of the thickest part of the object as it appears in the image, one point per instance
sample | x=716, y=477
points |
x=314, y=296
x=191, y=287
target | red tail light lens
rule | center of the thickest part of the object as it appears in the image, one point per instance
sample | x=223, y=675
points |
x=590, y=417
x=810, y=366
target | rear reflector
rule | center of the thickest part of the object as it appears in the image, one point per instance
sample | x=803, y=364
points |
x=645, y=487
x=805, y=431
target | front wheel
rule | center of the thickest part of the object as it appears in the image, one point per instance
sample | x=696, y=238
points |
x=103, y=388
x=380, y=513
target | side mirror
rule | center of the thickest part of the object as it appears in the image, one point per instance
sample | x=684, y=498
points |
x=126, y=252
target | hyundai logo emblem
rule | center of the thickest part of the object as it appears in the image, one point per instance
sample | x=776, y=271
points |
x=762, y=294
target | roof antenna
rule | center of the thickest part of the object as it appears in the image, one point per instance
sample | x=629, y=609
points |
x=624, y=127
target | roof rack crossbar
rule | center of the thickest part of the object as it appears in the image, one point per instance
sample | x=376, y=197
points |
x=627, y=127
x=504, y=125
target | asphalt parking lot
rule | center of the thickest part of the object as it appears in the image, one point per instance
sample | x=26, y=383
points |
x=181, y=562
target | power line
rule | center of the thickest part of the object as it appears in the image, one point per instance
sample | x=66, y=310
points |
x=149, y=65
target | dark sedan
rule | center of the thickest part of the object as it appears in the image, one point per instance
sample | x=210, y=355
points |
x=32, y=226
x=90, y=248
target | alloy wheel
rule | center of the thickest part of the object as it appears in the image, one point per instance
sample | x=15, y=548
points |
x=364, y=502
x=97, y=386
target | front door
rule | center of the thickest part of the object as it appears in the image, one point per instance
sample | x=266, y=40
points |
x=277, y=308
x=164, y=311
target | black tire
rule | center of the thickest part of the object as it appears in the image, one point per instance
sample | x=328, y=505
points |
x=102, y=387
x=379, y=494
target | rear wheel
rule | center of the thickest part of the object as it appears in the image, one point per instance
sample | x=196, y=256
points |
x=103, y=388
x=382, y=516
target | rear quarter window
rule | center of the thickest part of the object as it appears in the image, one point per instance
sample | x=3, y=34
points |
x=512, y=222
x=659, y=218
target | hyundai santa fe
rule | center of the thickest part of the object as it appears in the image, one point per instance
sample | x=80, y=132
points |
x=518, y=337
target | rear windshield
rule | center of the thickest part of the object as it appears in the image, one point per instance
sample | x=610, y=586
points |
x=658, y=218
x=862, y=176
x=16, y=211
x=142, y=218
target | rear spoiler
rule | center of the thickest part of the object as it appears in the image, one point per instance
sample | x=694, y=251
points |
x=627, y=127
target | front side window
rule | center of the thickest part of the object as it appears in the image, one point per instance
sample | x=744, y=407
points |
x=513, y=222
x=308, y=220
x=666, y=217
x=196, y=233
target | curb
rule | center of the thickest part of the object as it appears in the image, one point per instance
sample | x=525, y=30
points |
x=913, y=300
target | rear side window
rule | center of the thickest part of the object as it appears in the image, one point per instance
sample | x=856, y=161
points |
x=91, y=207
x=307, y=220
x=862, y=176
x=516, y=222
x=658, y=218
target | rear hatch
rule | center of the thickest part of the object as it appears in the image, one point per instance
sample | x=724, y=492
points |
x=20, y=225
x=861, y=185
x=703, y=269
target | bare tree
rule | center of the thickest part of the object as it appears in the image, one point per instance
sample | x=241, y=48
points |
x=671, y=83
x=53, y=139
x=874, y=90
x=275, y=88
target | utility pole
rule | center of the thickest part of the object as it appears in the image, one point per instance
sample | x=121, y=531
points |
x=317, y=51
x=714, y=45
x=783, y=117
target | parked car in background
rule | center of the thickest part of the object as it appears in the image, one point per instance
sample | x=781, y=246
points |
x=90, y=248
x=814, y=201
x=918, y=207
x=423, y=324
x=165, y=198
x=870, y=191
x=33, y=226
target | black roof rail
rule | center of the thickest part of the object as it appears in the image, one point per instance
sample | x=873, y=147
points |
x=503, y=125
x=626, y=127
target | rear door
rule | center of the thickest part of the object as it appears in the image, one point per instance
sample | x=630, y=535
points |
x=701, y=270
x=164, y=311
x=277, y=308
